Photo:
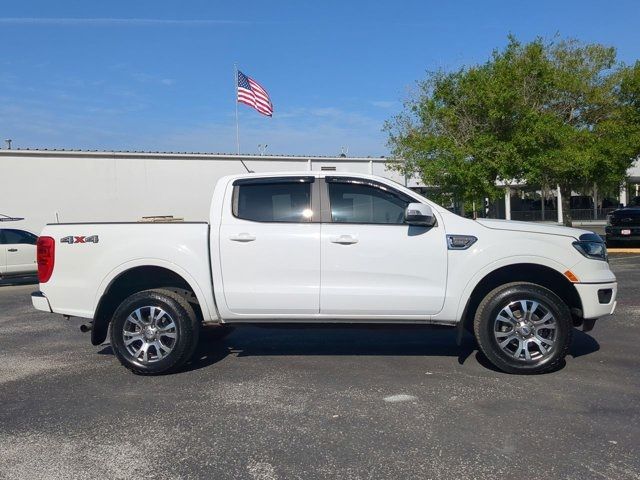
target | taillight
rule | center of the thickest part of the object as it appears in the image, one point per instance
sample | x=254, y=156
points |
x=46, y=255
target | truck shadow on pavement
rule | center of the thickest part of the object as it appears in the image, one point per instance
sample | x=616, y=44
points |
x=356, y=340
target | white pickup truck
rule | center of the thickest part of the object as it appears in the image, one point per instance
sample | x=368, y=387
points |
x=339, y=248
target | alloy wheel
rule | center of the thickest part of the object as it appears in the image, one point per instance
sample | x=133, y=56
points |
x=149, y=334
x=525, y=330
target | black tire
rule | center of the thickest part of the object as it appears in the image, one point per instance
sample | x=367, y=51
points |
x=186, y=331
x=486, y=326
x=612, y=243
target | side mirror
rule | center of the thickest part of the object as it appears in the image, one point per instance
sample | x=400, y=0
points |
x=419, y=214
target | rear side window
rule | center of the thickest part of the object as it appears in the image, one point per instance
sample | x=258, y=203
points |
x=273, y=200
x=11, y=236
x=359, y=202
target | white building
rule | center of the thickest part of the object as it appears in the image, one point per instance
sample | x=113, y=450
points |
x=45, y=186
x=632, y=187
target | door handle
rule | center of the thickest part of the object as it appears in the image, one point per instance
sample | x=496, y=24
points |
x=344, y=240
x=243, y=237
x=12, y=250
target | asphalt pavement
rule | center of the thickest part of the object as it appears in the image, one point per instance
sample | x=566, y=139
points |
x=298, y=403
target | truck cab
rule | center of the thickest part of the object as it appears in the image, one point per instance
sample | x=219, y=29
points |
x=326, y=246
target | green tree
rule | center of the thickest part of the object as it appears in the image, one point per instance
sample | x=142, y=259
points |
x=549, y=113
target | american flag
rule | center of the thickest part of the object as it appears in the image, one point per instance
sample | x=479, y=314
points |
x=251, y=93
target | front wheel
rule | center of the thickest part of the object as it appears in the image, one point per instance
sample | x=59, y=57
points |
x=154, y=332
x=523, y=328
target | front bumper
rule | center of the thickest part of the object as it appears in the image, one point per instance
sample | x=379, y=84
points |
x=595, y=305
x=40, y=302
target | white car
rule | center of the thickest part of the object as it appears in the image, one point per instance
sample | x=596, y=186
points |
x=339, y=248
x=17, y=252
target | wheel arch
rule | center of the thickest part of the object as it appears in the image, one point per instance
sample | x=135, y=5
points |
x=542, y=275
x=132, y=278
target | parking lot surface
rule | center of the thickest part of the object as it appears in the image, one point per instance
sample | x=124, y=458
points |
x=344, y=403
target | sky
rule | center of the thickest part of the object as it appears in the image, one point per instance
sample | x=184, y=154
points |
x=158, y=75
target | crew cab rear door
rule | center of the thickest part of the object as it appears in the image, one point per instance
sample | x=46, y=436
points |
x=373, y=264
x=270, y=247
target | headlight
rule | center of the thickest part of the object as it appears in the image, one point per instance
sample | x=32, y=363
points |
x=595, y=250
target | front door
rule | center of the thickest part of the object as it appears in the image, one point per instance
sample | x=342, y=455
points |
x=270, y=247
x=373, y=264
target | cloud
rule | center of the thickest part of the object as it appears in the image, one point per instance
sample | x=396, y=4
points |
x=114, y=128
x=147, y=78
x=300, y=131
x=116, y=22
x=284, y=139
x=383, y=103
x=119, y=119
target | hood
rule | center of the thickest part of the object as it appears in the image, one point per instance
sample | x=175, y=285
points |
x=531, y=227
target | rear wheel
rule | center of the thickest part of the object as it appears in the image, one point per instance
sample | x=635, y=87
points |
x=154, y=332
x=523, y=328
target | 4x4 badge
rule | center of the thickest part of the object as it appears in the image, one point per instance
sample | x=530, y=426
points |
x=79, y=239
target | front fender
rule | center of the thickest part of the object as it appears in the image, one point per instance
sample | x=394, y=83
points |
x=475, y=280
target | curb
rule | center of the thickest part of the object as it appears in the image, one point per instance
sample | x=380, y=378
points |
x=623, y=250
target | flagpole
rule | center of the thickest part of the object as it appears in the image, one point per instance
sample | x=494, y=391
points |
x=235, y=69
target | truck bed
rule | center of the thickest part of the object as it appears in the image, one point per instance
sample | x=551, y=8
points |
x=89, y=256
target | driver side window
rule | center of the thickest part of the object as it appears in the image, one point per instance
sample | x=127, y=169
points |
x=358, y=202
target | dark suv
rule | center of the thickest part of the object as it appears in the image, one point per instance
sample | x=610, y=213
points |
x=623, y=225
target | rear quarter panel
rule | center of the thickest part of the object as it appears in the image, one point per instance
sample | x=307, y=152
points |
x=83, y=271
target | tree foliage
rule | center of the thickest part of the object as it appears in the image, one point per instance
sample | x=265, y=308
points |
x=548, y=113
